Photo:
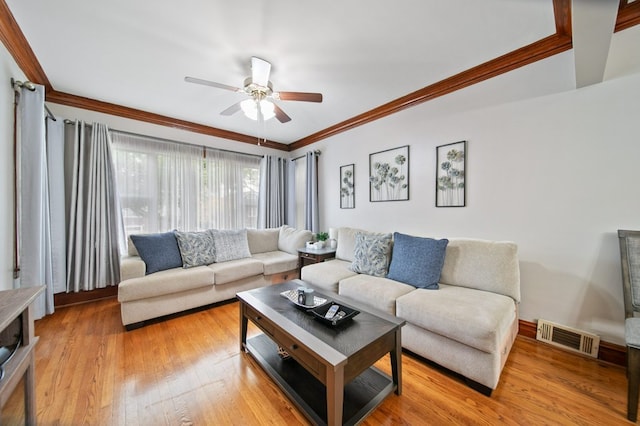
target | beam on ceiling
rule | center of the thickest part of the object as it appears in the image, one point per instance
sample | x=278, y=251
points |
x=593, y=23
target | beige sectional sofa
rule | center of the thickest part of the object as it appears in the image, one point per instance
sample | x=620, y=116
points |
x=273, y=259
x=467, y=325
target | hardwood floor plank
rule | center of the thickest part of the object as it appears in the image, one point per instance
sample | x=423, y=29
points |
x=188, y=370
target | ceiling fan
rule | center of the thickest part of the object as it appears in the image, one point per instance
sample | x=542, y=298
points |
x=260, y=91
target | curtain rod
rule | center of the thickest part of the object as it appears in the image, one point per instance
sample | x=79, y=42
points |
x=123, y=132
x=317, y=152
x=183, y=143
x=31, y=87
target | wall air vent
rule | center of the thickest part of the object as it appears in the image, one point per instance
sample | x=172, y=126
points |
x=568, y=338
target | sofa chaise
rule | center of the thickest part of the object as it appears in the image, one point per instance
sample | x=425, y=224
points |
x=466, y=323
x=212, y=266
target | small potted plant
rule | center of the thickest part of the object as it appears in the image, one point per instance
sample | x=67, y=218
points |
x=321, y=237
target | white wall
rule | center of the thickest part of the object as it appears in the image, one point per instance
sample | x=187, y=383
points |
x=8, y=69
x=555, y=172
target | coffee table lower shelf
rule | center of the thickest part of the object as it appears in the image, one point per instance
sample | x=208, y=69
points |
x=361, y=396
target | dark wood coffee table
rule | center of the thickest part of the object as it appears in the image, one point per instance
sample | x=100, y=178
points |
x=331, y=376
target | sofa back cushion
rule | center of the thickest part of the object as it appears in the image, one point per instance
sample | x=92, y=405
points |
x=484, y=265
x=131, y=248
x=347, y=243
x=291, y=239
x=263, y=240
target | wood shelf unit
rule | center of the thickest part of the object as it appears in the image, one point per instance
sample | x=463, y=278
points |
x=14, y=304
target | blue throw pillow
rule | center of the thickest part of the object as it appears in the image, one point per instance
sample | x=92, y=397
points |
x=417, y=261
x=158, y=251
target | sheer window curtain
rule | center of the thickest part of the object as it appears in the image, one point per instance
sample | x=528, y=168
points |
x=167, y=185
x=230, y=190
x=159, y=183
x=93, y=255
x=34, y=217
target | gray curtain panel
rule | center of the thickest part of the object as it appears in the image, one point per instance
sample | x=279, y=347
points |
x=311, y=208
x=34, y=233
x=55, y=163
x=271, y=201
x=94, y=214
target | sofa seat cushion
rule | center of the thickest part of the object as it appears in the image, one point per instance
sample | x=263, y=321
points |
x=476, y=318
x=275, y=262
x=380, y=293
x=233, y=270
x=165, y=282
x=327, y=274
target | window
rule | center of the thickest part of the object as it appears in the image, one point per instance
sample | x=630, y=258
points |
x=167, y=185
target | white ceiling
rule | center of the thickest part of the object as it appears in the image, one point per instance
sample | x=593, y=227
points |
x=359, y=53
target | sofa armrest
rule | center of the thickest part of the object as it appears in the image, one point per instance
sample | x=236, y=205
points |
x=131, y=267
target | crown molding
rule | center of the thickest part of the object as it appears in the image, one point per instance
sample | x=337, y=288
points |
x=628, y=15
x=149, y=117
x=536, y=51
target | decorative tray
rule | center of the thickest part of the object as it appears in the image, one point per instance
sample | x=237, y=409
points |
x=292, y=295
x=343, y=314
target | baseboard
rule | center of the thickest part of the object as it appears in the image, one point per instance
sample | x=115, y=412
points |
x=609, y=352
x=67, y=299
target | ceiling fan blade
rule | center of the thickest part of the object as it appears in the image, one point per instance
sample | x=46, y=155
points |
x=280, y=114
x=298, y=96
x=212, y=84
x=232, y=109
x=260, y=70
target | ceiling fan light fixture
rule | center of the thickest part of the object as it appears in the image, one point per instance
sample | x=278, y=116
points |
x=250, y=109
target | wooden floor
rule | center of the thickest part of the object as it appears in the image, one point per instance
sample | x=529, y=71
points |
x=188, y=370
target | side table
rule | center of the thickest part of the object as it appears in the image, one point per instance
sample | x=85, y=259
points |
x=308, y=256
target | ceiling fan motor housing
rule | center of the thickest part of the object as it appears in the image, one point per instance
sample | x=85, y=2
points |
x=257, y=91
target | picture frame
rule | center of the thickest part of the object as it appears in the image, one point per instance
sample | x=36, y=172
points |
x=389, y=175
x=451, y=166
x=347, y=187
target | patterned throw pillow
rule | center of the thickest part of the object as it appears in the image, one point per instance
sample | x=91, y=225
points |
x=230, y=244
x=196, y=248
x=371, y=254
x=417, y=261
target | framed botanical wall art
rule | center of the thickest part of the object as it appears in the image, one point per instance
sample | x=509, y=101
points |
x=347, y=187
x=389, y=175
x=451, y=160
